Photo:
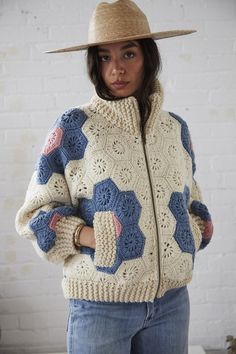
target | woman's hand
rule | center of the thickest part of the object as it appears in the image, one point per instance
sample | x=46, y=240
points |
x=86, y=237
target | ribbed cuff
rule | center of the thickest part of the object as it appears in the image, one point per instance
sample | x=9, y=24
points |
x=198, y=221
x=64, y=244
x=105, y=235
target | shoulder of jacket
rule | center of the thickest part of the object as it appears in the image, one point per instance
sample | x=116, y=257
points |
x=72, y=118
x=185, y=136
x=179, y=119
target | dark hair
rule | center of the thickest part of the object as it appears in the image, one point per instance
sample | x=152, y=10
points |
x=152, y=67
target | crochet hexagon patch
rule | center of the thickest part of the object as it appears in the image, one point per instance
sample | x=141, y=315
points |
x=126, y=211
x=66, y=142
x=44, y=226
x=178, y=205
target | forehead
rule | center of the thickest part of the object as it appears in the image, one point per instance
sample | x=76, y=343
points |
x=118, y=46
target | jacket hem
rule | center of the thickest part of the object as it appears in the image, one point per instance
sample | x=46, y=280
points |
x=110, y=292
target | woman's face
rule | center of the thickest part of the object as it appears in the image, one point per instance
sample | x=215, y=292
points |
x=122, y=67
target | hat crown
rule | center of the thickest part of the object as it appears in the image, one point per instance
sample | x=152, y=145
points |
x=120, y=19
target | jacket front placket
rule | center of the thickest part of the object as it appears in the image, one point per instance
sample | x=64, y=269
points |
x=126, y=116
x=150, y=183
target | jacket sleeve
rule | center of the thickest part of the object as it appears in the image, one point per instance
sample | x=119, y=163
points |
x=199, y=211
x=47, y=216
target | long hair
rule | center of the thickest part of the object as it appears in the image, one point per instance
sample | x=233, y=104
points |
x=152, y=67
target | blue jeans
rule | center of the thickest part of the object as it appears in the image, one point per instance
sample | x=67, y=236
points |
x=159, y=327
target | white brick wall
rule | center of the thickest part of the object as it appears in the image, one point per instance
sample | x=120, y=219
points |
x=199, y=76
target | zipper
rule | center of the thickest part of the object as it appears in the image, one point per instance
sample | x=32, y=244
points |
x=155, y=214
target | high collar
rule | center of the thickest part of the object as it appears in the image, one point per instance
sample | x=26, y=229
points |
x=124, y=113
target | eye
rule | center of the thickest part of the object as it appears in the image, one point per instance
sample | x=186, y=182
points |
x=104, y=57
x=129, y=55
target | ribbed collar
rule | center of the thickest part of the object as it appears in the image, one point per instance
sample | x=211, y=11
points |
x=124, y=113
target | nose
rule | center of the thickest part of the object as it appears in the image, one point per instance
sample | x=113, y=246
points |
x=117, y=68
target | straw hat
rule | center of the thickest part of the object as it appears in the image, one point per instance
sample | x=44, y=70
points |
x=119, y=21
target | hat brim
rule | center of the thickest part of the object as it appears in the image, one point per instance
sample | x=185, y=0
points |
x=155, y=36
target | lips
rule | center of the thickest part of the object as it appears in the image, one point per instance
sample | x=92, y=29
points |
x=119, y=84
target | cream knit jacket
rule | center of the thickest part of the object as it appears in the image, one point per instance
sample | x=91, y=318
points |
x=140, y=198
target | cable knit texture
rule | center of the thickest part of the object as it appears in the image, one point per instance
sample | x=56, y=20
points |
x=141, y=199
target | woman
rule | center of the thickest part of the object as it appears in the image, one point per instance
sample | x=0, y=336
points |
x=113, y=197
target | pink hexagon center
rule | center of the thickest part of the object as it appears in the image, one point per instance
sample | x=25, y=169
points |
x=208, y=229
x=118, y=225
x=56, y=217
x=54, y=141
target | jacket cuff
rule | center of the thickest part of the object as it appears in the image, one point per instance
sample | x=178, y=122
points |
x=105, y=235
x=202, y=217
x=64, y=243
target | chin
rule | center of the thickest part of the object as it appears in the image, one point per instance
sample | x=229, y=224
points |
x=123, y=94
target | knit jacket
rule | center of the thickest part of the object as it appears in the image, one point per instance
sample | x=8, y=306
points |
x=140, y=197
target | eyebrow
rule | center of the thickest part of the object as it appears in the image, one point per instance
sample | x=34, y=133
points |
x=125, y=46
